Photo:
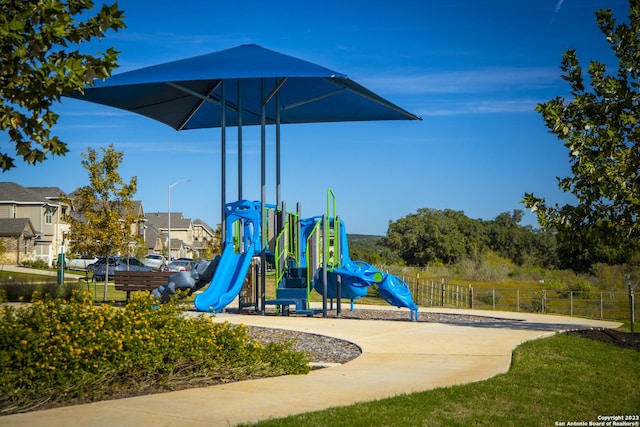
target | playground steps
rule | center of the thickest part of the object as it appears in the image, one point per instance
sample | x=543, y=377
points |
x=292, y=291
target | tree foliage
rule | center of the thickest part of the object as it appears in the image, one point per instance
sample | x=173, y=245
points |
x=102, y=212
x=600, y=127
x=38, y=65
x=449, y=237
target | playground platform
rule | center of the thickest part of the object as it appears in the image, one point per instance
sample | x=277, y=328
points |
x=397, y=358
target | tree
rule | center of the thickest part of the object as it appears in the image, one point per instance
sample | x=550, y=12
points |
x=433, y=235
x=102, y=212
x=600, y=126
x=37, y=67
x=523, y=245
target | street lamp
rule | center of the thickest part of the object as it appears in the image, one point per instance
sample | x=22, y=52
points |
x=169, y=217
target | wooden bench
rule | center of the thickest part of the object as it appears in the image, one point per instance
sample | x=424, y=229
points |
x=140, y=280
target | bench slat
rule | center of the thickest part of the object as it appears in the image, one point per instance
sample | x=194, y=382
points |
x=129, y=281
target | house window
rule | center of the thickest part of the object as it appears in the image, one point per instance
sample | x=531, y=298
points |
x=48, y=216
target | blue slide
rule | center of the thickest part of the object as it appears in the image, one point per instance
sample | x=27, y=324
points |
x=236, y=256
x=227, y=280
x=357, y=276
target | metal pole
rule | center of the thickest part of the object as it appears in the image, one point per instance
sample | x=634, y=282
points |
x=324, y=265
x=571, y=304
x=169, y=216
x=168, y=223
x=239, y=139
x=632, y=314
x=223, y=160
x=278, y=195
x=263, y=194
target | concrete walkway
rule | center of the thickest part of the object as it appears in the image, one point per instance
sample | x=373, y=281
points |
x=398, y=357
x=70, y=274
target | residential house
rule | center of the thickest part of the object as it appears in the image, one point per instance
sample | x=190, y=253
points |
x=182, y=237
x=43, y=235
x=18, y=240
x=188, y=238
x=203, y=235
x=40, y=233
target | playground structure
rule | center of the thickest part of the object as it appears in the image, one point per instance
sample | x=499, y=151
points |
x=270, y=88
x=308, y=254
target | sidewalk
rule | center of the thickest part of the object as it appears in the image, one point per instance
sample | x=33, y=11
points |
x=397, y=357
x=67, y=273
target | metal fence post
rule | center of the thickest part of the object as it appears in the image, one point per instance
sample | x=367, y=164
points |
x=571, y=305
x=601, y=305
x=633, y=308
x=470, y=297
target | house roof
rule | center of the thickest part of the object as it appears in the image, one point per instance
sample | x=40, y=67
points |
x=13, y=227
x=203, y=224
x=10, y=192
x=48, y=192
x=161, y=220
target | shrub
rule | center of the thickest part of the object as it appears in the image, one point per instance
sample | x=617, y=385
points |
x=67, y=290
x=489, y=266
x=18, y=292
x=39, y=263
x=59, y=351
x=567, y=281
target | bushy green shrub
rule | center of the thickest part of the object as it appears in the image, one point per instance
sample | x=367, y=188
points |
x=22, y=291
x=39, y=263
x=488, y=266
x=567, y=281
x=18, y=292
x=69, y=351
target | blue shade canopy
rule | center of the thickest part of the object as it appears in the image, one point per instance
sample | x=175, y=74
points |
x=187, y=94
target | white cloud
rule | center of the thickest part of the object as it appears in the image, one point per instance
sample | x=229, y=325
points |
x=468, y=81
x=487, y=106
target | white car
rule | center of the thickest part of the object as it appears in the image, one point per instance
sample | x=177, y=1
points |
x=80, y=263
x=179, y=265
x=154, y=261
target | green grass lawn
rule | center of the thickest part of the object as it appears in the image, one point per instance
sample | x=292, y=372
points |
x=563, y=378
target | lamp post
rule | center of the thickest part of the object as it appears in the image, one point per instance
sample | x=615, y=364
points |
x=169, y=217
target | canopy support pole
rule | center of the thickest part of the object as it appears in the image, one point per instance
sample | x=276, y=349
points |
x=278, y=194
x=263, y=195
x=223, y=165
x=239, y=139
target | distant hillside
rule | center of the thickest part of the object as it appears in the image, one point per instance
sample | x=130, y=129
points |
x=362, y=244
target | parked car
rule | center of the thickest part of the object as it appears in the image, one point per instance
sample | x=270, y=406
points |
x=116, y=263
x=79, y=263
x=176, y=266
x=154, y=261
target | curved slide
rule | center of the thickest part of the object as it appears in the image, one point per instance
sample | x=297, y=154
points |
x=227, y=280
x=234, y=262
x=357, y=276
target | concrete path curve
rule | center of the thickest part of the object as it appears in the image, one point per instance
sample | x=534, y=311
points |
x=398, y=357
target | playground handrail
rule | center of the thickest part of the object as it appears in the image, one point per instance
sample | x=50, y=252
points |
x=281, y=254
x=312, y=266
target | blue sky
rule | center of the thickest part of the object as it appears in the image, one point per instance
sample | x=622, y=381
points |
x=474, y=70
